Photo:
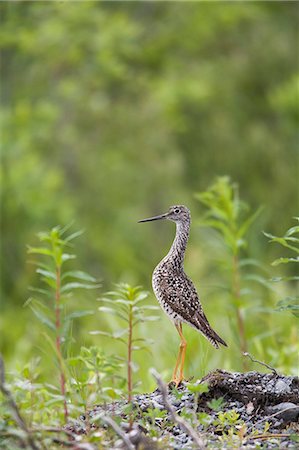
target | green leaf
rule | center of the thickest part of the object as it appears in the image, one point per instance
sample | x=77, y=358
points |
x=199, y=388
x=279, y=279
x=73, y=235
x=40, y=291
x=260, y=280
x=283, y=241
x=65, y=228
x=249, y=262
x=53, y=401
x=289, y=304
x=150, y=307
x=122, y=302
x=145, y=340
x=47, y=273
x=103, y=333
x=77, y=285
x=216, y=404
x=293, y=230
x=42, y=318
x=119, y=333
x=245, y=226
x=285, y=261
x=77, y=314
x=105, y=300
x=150, y=318
x=78, y=274
x=67, y=257
x=39, y=250
x=112, y=311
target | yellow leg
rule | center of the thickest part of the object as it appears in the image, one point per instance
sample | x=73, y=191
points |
x=183, y=346
x=181, y=357
x=174, y=375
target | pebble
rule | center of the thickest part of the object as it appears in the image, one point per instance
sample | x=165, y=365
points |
x=289, y=411
x=253, y=413
x=282, y=387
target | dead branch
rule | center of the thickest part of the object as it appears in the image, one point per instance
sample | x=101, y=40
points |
x=183, y=424
x=260, y=362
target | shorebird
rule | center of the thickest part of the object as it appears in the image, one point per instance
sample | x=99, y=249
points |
x=175, y=291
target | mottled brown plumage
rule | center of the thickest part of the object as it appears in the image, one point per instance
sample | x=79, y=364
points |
x=175, y=291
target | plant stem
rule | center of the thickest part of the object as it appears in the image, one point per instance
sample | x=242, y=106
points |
x=237, y=297
x=58, y=340
x=130, y=362
x=130, y=354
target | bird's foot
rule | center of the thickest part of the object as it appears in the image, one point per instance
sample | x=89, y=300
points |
x=176, y=381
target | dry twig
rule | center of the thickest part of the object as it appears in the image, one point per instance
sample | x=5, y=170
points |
x=269, y=417
x=183, y=424
x=270, y=436
x=109, y=421
x=260, y=362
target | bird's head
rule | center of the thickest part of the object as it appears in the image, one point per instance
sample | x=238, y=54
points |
x=177, y=213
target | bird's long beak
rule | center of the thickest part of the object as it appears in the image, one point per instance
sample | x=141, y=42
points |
x=150, y=219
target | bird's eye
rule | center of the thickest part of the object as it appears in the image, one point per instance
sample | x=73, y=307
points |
x=176, y=210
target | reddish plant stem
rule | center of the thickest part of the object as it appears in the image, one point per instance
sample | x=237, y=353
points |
x=58, y=341
x=130, y=355
x=237, y=297
x=130, y=362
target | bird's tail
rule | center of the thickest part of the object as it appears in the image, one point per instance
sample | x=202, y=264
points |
x=215, y=340
x=201, y=323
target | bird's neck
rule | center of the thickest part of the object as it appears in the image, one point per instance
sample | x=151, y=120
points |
x=176, y=253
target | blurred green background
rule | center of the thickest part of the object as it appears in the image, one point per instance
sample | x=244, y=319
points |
x=112, y=112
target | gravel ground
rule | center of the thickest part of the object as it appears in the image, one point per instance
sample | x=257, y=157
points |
x=250, y=401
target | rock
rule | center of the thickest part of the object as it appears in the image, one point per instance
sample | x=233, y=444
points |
x=282, y=387
x=288, y=412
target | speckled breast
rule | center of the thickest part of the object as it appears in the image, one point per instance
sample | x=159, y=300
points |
x=159, y=274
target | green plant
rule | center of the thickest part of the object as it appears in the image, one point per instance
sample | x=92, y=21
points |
x=94, y=379
x=127, y=304
x=230, y=217
x=232, y=429
x=59, y=283
x=154, y=420
x=290, y=242
x=227, y=419
x=197, y=389
x=216, y=404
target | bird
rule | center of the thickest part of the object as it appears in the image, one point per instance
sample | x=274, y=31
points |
x=175, y=292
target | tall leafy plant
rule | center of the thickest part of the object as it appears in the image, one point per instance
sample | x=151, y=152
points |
x=128, y=304
x=290, y=242
x=230, y=217
x=58, y=285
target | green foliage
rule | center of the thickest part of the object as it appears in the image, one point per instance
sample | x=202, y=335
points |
x=291, y=243
x=127, y=304
x=216, y=404
x=154, y=420
x=59, y=285
x=198, y=388
x=227, y=419
x=228, y=215
x=57, y=281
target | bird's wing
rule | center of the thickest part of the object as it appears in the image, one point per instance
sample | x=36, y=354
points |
x=179, y=292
